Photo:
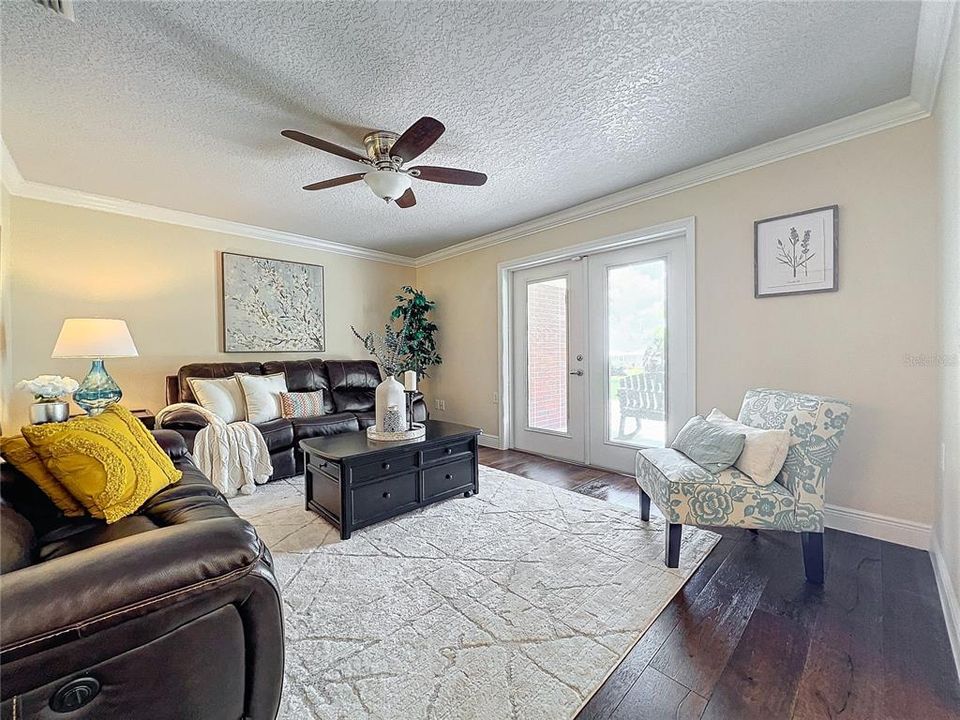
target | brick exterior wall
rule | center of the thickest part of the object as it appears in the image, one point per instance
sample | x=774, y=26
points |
x=547, y=356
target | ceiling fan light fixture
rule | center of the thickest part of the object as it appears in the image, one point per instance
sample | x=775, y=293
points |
x=387, y=184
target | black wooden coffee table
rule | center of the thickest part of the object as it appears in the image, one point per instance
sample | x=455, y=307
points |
x=354, y=482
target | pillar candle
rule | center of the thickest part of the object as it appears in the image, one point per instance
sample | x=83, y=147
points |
x=410, y=381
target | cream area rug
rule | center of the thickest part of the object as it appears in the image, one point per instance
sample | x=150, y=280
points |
x=516, y=603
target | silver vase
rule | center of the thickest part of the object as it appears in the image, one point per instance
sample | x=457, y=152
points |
x=48, y=412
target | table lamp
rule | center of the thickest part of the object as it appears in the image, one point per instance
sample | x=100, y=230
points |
x=95, y=338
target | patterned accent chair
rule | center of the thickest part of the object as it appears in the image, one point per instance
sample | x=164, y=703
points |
x=689, y=495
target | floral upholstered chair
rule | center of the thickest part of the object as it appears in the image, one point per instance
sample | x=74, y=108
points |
x=687, y=494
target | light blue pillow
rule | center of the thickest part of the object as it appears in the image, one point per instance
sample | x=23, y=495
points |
x=710, y=446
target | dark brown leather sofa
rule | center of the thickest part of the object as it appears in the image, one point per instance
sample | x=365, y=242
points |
x=349, y=387
x=167, y=614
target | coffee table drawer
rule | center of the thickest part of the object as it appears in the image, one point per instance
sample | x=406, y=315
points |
x=449, y=452
x=384, y=497
x=440, y=479
x=329, y=468
x=324, y=490
x=379, y=468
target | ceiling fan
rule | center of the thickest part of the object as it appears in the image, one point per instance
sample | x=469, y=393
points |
x=387, y=153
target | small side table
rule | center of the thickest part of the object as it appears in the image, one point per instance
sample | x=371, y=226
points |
x=146, y=417
x=143, y=415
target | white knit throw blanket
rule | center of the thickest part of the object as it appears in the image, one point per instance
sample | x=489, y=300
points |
x=234, y=456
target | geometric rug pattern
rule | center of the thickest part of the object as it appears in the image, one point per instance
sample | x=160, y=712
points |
x=516, y=603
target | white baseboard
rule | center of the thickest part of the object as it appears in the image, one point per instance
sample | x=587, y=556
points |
x=880, y=527
x=490, y=441
x=949, y=598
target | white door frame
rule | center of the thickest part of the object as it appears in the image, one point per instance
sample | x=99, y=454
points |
x=684, y=228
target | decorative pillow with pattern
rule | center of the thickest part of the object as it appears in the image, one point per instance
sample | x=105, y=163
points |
x=109, y=462
x=301, y=404
x=17, y=452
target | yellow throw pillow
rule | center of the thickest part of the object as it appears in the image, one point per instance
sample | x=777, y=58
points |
x=109, y=462
x=17, y=452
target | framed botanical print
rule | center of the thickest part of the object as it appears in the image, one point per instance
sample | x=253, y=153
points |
x=271, y=305
x=797, y=253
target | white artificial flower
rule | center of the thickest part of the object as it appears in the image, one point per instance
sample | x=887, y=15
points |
x=49, y=387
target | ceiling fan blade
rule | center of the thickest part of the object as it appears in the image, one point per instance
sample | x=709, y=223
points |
x=324, y=145
x=417, y=138
x=334, y=182
x=450, y=175
x=407, y=199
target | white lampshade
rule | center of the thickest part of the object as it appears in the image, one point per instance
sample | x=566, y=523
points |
x=387, y=184
x=94, y=338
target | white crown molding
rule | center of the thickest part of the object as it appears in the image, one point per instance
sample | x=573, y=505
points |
x=933, y=36
x=869, y=121
x=20, y=187
x=949, y=597
x=880, y=527
x=9, y=172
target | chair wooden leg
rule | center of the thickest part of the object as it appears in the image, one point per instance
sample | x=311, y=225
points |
x=813, y=556
x=644, y=505
x=671, y=552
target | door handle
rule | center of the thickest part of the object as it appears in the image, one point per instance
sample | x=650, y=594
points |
x=576, y=372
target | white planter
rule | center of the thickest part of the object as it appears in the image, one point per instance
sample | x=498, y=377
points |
x=390, y=392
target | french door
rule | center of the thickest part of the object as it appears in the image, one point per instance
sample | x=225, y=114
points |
x=549, y=365
x=602, y=362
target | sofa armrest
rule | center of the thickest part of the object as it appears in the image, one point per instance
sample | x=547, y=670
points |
x=67, y=598
x=183, y=419
x=172, y=443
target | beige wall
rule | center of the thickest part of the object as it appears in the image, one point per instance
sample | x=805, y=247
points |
x=947, y=119
x=852, y=344
x=163, y=279
x=60, y=261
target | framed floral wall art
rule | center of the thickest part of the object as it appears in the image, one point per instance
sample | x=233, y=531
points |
x=271, y=305
x=797, y=253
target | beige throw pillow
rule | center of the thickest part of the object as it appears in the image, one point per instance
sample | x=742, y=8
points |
x=764, y=451
x=262, y=395
x=221, y=396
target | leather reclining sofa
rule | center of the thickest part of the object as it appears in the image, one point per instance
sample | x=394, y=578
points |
x=170, y=613
x=349, y=397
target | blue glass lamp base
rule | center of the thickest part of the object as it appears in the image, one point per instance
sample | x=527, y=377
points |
x=98, y=391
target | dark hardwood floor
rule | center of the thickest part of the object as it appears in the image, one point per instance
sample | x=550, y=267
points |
x=748, y=638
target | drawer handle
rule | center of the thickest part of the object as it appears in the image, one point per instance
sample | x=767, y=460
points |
x=448, y=451
x=386, y=466
x=386, y=494
x=449, y=477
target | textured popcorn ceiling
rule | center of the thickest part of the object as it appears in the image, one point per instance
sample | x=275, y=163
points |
x=180, y=104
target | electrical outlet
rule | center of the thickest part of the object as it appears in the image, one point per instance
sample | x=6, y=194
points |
x=443, y=404
x=496, y=398
x=436, y=404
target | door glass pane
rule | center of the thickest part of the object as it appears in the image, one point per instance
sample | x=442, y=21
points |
x=547, y=354
x=636, y=361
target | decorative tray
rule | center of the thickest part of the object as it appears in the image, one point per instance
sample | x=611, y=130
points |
x=416, y=433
